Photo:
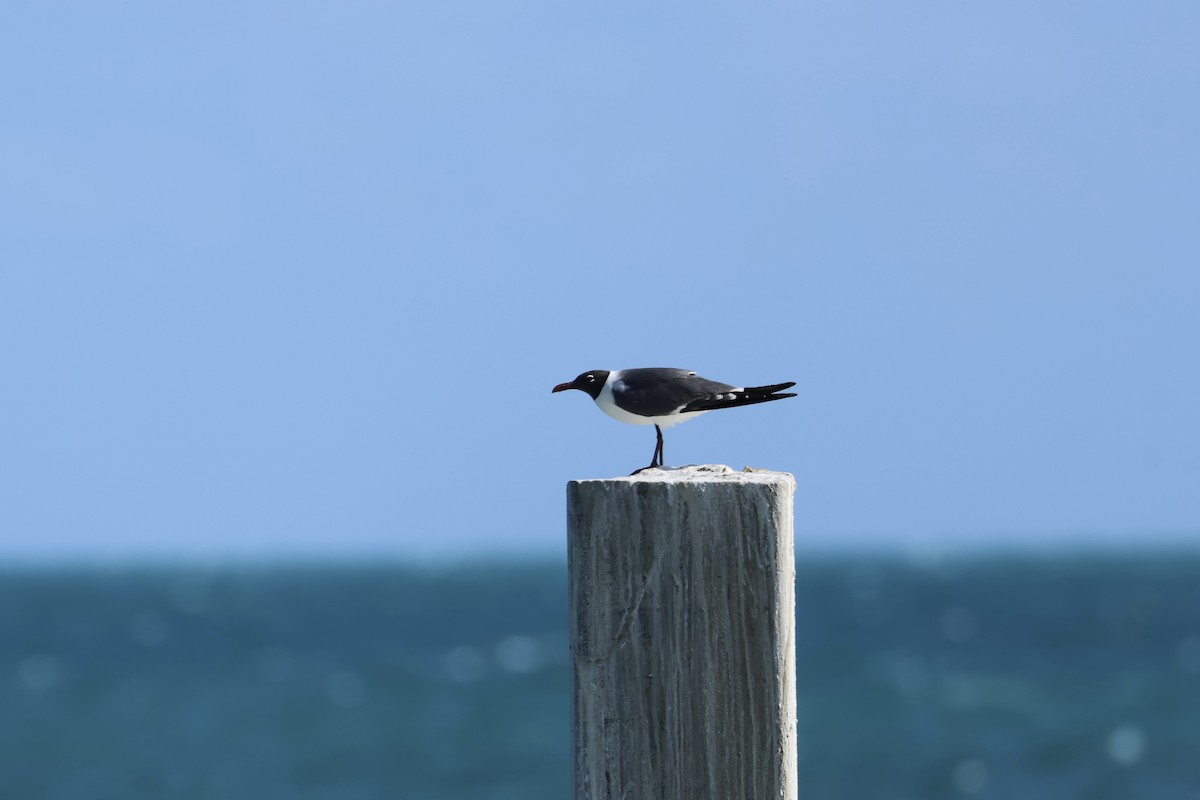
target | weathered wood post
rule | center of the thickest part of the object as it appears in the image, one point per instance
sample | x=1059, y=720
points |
x=682, y=647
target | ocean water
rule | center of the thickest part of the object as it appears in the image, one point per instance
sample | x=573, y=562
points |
x=1015, y=677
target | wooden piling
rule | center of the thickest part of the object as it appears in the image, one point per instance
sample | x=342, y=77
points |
x=682, y=635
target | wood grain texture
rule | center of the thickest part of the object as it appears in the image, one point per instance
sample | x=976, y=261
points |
x=682, y=635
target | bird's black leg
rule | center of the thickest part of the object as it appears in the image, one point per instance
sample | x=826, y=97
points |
x=656, y=460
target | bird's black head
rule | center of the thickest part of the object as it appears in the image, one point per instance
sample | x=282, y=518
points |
x=591, y=382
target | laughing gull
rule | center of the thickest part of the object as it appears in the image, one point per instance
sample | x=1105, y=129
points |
x=664, y=397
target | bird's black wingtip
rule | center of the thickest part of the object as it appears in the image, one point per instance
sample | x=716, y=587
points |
x=774, y=388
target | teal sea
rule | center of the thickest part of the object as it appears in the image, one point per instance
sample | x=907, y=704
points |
x=1002, y=677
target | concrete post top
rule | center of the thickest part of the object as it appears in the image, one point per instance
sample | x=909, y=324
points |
x=701, y=473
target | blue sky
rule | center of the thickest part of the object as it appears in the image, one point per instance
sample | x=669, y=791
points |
x=296, y=279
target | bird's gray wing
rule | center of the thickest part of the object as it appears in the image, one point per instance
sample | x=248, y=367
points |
x=656, y=391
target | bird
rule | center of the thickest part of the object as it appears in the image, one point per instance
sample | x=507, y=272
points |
x=663, y=397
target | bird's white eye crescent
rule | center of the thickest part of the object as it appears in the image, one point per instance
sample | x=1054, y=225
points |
x=590, y=377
